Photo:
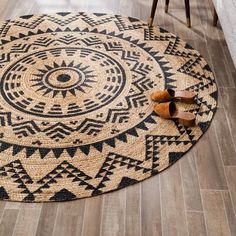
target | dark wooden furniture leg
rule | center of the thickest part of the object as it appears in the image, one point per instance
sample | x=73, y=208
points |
x=154, y=7
x=215, y=17
x=187, y=10
x=167, y=5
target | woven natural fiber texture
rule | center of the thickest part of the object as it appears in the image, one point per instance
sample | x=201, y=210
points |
x=75, y=110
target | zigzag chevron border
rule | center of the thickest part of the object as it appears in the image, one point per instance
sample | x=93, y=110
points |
x=76, y=118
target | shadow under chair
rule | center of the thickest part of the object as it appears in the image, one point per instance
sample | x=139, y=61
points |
x=187, y=12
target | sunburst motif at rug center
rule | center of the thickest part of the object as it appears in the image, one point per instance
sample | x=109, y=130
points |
x=75, y=110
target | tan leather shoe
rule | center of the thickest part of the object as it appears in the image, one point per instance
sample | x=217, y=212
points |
x=170, y=95
x=168, y=110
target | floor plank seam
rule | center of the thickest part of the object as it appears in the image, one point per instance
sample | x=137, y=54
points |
x=181, y=179
x=194, y=211
x=229, y=125
x=225, y=174
x=225, y=211
x=204, y=215
x=221, y=158
x=230, y=195
x=161, y=205
x=102, y=209
x=82, y=228
x=2, y=213
x=35, y=230
x=213, y=190
x=125, y=190
x=140, y=209
x=17, y=219
x=159, y=184
x=55, y=221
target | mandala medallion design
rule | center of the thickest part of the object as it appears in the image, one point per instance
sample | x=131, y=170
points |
x=60, y=77
x=75, y=110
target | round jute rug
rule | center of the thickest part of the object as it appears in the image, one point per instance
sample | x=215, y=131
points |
x=75, y=110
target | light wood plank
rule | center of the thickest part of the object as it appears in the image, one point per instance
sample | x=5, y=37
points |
x=2, y=207
x=36, y=205
x=229, y=212
x=218, y=60
x=229, y=62
x=69, y=218
x=215, y=215
x=209, y=162
x=92, y=216
x=47, y=219
x=191, y=189
x=27, y=221
x=224, y=138
x=13, y=205
x=196, y=224
x=9, y=8
x=172, y=200
x=133, y=210
x=8, y=222
x=231, y=178
x=151, y=207
x=113, y=219
x=229, y=100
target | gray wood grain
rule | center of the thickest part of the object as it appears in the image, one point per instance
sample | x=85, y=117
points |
x=196, y=224
x=231, y=177
x=172, y=201
x=8, y=222
x=27, y=221
x=209, y=162
x=92, y=213
x=47, y=219
x=151, y=211
x=229, y=99
x=113, y=215
x=133, y=211
x=69, y=219
x=215, y=215
x=229, y=209
x=191, y=189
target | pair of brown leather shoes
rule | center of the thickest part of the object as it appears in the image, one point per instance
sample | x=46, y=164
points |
x=167, y=108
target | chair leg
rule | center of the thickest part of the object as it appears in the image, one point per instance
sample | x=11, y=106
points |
x=154, y=7
x=187, y=10
x=167, y=5
x=215, y=18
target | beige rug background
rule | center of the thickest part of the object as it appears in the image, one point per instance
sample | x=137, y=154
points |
x=75, y=110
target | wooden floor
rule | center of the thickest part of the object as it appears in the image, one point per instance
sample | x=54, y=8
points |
x=196, y=196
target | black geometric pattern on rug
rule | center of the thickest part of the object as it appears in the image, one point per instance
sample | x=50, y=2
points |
x=76, y=119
